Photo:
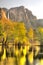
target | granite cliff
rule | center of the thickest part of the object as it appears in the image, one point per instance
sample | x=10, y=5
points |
x=22, y=14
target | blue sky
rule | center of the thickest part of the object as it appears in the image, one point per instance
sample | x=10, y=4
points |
x=36, y=6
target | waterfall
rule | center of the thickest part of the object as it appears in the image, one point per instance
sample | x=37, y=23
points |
x=8, y=15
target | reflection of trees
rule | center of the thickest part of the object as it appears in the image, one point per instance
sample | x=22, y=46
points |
x=4, y=48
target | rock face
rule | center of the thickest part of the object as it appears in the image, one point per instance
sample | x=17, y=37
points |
x=37, y=23
x=21, y=14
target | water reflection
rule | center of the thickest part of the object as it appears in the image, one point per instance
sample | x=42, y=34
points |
x=18, y=54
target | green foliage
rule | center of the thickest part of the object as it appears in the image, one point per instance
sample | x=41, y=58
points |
x=40, y=33
x=13, y=30
x=17, y=30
